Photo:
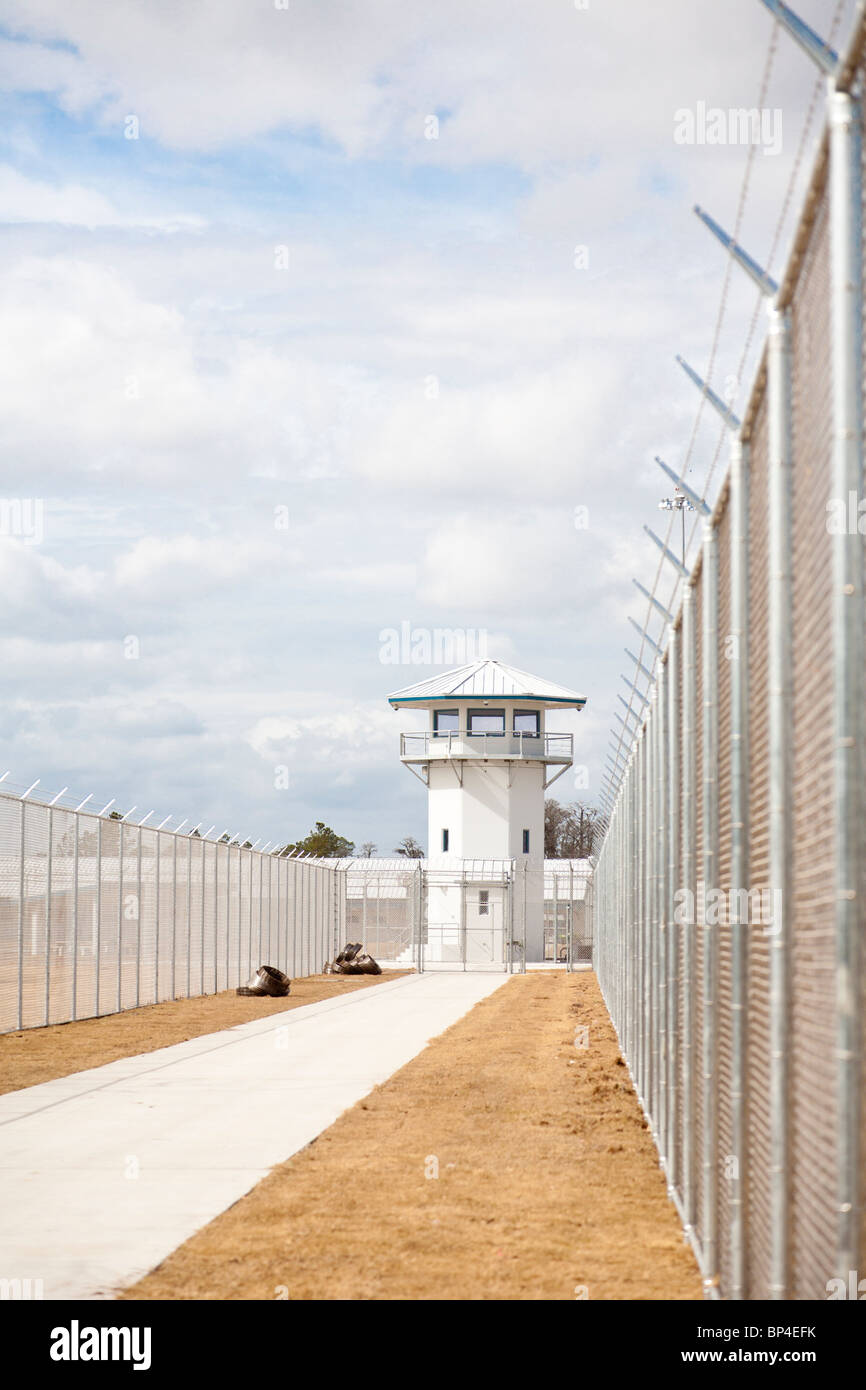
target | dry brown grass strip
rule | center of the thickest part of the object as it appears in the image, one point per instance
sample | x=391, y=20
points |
x=548, y=1178
x=44, y=1054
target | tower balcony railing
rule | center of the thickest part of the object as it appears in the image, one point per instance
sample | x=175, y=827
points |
x=459, y=743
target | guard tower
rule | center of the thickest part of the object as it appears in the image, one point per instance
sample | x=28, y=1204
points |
x=486, y=760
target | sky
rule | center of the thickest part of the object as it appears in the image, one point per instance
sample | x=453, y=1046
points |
x=324, y=318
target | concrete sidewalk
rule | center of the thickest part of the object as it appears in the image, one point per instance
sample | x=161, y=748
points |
x=105, y=1172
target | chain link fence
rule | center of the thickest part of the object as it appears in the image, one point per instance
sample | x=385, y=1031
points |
x=97, y=915
x=729, y=889
x=469, y=914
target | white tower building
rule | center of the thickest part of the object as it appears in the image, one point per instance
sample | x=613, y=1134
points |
x=486, y=759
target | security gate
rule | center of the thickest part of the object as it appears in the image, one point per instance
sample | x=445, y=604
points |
x=467, y=919
x=383, y=911
x=567, y=916
x=473, y=914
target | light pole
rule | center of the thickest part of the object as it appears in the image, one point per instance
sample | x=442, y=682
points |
x=678, y=503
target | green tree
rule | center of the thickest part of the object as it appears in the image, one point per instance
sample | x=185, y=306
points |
x=323, y=842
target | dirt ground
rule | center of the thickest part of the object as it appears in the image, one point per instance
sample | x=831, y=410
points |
x=43, y=1054
x=504, y=1162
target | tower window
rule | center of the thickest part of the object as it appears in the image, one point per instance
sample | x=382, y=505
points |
x=487, y=721
x=444, y=841
x=445, y=721
x=526, y=842
x=526, y=721
x=483, y=902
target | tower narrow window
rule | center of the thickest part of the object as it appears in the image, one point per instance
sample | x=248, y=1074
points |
x=526, y=842
x=444, y=841
x=483, y=902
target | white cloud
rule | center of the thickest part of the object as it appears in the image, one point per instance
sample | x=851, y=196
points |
x=158, y=719
x=522, y=84
x=524, y=565
x=41, y=594
x=24, y=199
x=168, y=567
x=101, y=379
x=500, y=433
x=359, y=736
x=32, y=67
x=383, y=578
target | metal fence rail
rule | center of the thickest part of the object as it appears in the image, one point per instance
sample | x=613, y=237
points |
x=97, y=915
x=729, y=890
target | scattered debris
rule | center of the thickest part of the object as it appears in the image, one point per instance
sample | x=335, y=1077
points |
x=352, y=960
x=266, y=980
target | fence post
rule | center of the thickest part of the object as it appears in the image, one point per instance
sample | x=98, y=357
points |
x=228, y=853
x=616, y=905
x=651, y=909
x=643, y=993
x=338, y=891
x=710, y=874
x=266, y=956
x=288, y=883
x=739, y=752
x=266, y=859
x=638, y=910
x=21, y=882
x=316, y=879
x=174, y=920
x=157, y=872
x=673, y=776
x=75, y=920
x=638, y=902
x=292, y=882
x=846, y=250
x=119, y=911
x=621, y=880
x=570, y=919
x=663, y=913
x=276, y=898
x=655, y=913
x=48, y=917
x=201, y=931
x=689, y=766
x=254, y=961
x=301, y=915
x=634, y=821
x=138, y=925
x=240, y=914
x=188, y=916
x=216, y=916
x=419, y=923
x=313, y=915
x=780, y=721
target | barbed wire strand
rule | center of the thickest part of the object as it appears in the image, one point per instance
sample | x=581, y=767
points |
x=818, y=87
